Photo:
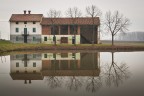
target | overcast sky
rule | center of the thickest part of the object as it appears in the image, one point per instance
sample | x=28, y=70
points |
x=132, y=9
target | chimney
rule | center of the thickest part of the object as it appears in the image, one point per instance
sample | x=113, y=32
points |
x=24, y=11
x=29, y=12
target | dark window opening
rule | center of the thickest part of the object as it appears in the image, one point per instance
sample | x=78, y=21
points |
x=34, y=22
x=64, y=30
x=17, y=64
x=34, y=29
x=64, y=55
x=54, y=55
x=34, y=55
x=45, y=38
x=25, y=64
x=73, y=64
x=16, y=38
x=73, y=29
x=34, y=64
x=64, y=65
x=17, y=29
x=17, y=22
x=64, y=39
x=54, y=30
x=34, y=38
x=25, y=22
x=45, y=55
x=55, y=64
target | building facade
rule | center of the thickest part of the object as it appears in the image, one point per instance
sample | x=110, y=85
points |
x=25, y=28
x=34, y=28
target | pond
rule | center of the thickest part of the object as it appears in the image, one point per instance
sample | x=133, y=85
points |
x=72, y=74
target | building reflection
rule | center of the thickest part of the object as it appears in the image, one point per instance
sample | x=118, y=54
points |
x=26, y=67
x=30, y=67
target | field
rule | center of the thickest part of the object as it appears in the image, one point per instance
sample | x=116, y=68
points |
x=6, y=46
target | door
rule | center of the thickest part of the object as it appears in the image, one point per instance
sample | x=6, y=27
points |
x=25, y=35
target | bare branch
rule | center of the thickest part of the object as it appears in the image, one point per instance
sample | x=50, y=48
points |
x=116, y=23
x=93, y=11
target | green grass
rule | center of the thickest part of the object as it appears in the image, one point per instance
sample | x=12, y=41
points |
x=8, y=46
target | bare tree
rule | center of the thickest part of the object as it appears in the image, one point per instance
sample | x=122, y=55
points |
x=93, y=12
x=53, y=14
x=115, y=23
x=74, y=13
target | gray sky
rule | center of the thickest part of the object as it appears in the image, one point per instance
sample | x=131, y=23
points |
x=132, y=9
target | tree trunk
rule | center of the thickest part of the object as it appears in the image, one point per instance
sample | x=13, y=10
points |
x=93, y=35
x=112, y=39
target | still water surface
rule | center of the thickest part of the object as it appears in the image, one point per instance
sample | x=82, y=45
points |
x=72, y=74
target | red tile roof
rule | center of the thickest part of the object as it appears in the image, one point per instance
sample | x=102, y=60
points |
x=26, y=17
x=69, y=21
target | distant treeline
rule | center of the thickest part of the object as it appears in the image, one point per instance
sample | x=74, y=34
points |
x=130, y=36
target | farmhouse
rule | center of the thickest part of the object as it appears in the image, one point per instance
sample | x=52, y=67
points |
x=34, y=28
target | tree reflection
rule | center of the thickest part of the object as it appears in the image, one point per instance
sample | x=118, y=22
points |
x=115, y=74
x=93, y=84
x=74, y=83
x=53, y=81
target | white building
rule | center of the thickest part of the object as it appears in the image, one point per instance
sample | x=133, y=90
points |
x=25, y=28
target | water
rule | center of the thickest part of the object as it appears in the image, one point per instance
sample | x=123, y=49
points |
x=72, y=74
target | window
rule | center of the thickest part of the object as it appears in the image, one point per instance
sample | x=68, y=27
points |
x=17, y=56
x=25, y=64
x=25, y=22
x=64, y=55
x=45, y=55
x=34, y=38
x=17, y=22
x=34, y=64
x=54, y=30
x=17, y=64
x=16, y=38
x=64, y=30
x=45, y=38
x=34, y=55
x=34, y=22
x=73, y=29
x=73, y=55
x=54, y=55
x=17, y=29
x=34, y=29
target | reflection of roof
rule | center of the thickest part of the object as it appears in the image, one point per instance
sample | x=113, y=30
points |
x=71, y=72
x=69, y=21
x=23, y=76
x=26, y=17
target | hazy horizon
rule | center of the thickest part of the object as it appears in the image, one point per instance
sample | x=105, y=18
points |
x=130, y=9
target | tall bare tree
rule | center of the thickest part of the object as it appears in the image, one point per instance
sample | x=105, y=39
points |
x=74, y=13
x=53, y=14
x=115, y=23
x=93, y=11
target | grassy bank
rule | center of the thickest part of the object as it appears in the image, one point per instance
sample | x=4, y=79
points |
x=6, y=46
